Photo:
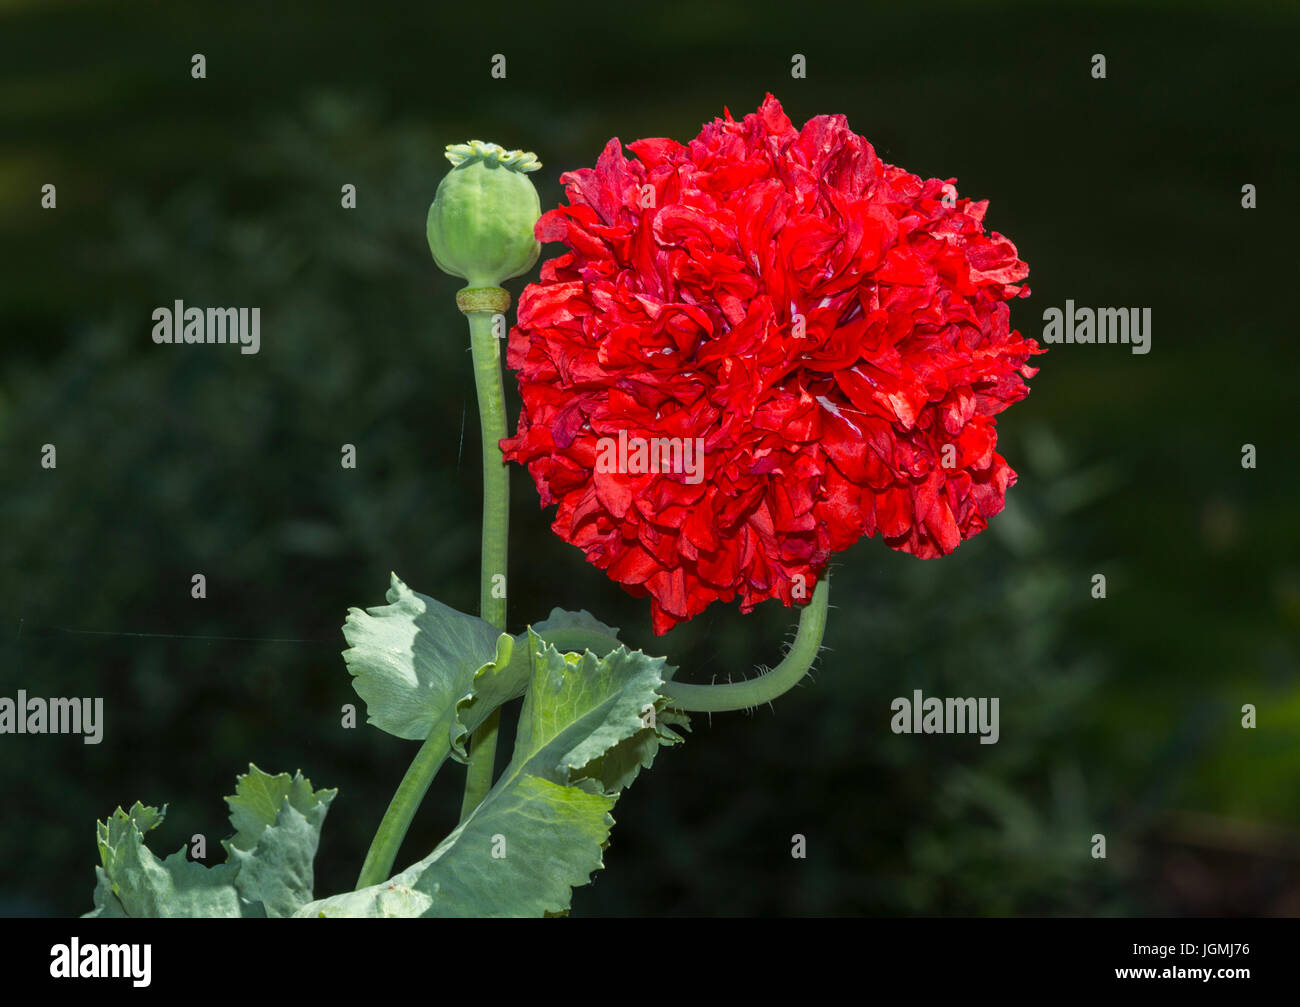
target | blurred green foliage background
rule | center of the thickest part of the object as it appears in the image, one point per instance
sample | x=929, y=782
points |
x=1119, y=717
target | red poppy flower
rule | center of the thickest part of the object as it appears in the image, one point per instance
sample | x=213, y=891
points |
x=831, y=330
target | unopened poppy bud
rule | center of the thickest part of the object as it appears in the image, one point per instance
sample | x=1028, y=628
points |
x=481, y=221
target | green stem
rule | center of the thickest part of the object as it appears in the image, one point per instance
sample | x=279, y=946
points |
x=480, y=305
x=401, y=809
x=767, y=687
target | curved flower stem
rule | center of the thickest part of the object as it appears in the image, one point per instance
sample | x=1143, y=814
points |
x=765, y=688
x=480, y=304
x=401, y=809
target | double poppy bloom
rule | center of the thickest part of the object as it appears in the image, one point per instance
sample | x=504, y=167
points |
x=833, y=331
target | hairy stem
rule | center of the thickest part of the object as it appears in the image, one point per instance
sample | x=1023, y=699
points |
x=767, y=687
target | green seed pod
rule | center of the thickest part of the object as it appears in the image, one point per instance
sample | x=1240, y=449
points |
x=481, y=221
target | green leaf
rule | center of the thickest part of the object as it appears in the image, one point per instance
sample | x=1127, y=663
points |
x=278, y=821
x=540, y=832
x=259, y=799
x=134, y=882
x=268, y=871
x=617, y=768
x=580, y=706
x=412, y=659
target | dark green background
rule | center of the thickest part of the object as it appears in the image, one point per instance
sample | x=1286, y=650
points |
x=1119, y=717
